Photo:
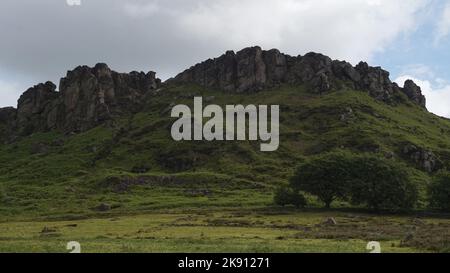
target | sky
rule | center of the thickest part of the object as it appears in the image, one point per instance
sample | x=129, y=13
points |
x=41, y=40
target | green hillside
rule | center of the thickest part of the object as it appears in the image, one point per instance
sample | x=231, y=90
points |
x=132, y=165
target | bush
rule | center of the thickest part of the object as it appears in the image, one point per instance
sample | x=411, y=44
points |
x=376, y=182
x=286, y=196
x=439, y=191
x=325, y=176
x=379, y=183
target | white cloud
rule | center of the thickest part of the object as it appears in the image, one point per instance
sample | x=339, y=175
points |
x=443, y=25
x=436, y=93
x=352, y=30
x=168, y=36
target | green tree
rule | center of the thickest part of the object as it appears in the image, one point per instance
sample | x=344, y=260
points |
x=375, y=182
x=380, y=183
x=439, y=191
x=325, y=176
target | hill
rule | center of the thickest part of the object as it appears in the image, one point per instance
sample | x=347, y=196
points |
x=102, y=144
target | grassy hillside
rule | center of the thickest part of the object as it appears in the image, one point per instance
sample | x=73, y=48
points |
x=132, y=165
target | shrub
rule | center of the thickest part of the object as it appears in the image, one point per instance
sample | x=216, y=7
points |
x=325, y=176
x=375, y=182
x=286, y=196
x=379, y=183
x=439, y=191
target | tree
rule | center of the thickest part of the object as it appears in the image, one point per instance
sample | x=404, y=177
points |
x=375, y=182
x=439, y=191
x=324, y=176
x=380, y=183
x=286, y=196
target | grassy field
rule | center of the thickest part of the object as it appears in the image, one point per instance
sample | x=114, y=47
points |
x=167, y=196
x=258, y=230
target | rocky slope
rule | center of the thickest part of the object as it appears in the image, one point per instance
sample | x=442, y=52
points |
x=89, y=96
x=254, y=69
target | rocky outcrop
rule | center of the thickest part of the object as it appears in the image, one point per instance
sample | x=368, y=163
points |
x=8, y=119
x=414, y=92
x=253, y=69
x=35, y=108
x=425, y=159
x=87, y=97
x=90, y=96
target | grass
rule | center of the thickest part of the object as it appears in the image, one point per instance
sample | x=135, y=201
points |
x=219, y=231
x=132, y=165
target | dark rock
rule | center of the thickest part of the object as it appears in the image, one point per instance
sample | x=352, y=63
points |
x=8, y=118
x=414, y=93
x=253, y=69
x=87, y=97
x=424, y=158
x=37, y=108
x=92, y=96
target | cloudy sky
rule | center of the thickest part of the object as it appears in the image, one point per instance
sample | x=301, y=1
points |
x=41, y=40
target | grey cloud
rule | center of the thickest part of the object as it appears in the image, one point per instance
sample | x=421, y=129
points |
x=42, y=39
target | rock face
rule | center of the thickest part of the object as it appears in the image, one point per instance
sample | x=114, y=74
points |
x=35, y=108
x=8, y=117
x=426, y=160
x=90, y=96
x=253, y=69
x=414, y=92
x=87, y=97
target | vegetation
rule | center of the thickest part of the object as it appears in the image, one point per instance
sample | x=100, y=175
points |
x=52, y=178
x=439, y=191
x=382, y=184
x=286, y=196
x=375, y=182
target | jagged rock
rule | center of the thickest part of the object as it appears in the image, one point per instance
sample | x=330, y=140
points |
x=92, y=96
x=376, y=81
x=8, y=117
x=253, y=69
x=87, y=97
x=414, y=93
x=36, y=108
x=424, y=158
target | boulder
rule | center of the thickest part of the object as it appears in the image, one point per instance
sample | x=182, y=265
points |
x=414, y=93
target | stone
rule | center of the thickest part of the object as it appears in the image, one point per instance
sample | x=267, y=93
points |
x=87, y=97
x=330, y=221
x=414, y=93
x=426, y=159
x=34, y=108
x=253, y=69
x=90, y=96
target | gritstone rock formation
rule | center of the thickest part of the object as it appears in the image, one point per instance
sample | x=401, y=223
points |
x=89, y=96
x=253, y=69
